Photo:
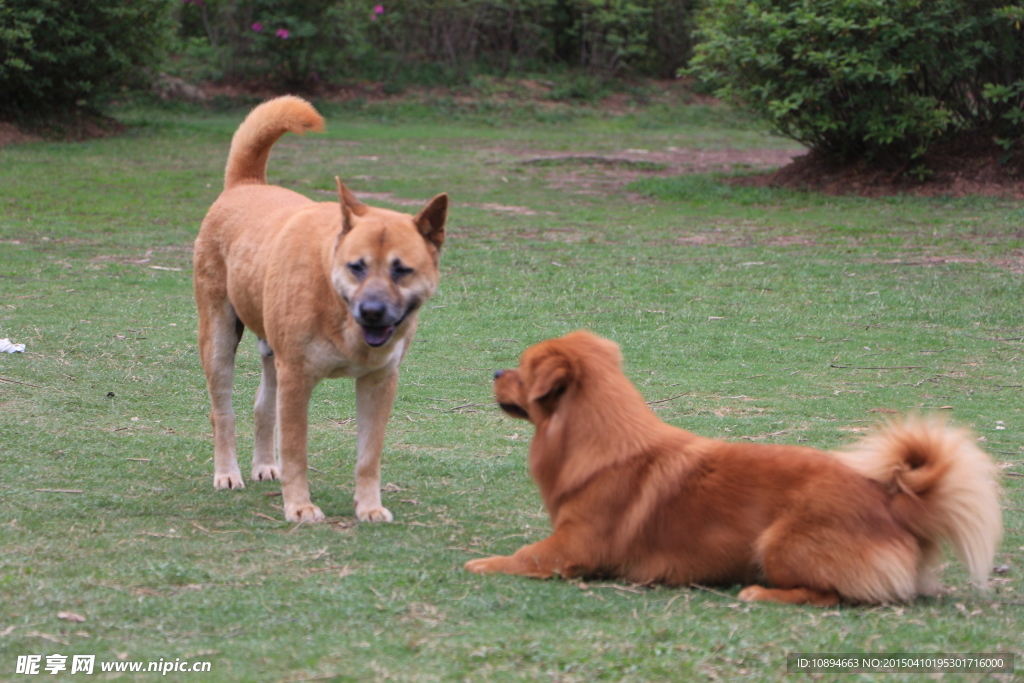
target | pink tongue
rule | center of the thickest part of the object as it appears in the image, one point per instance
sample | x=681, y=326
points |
x=375, y=336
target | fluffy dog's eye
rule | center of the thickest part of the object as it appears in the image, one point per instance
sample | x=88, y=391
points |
x=399, y=270
x=357, y=268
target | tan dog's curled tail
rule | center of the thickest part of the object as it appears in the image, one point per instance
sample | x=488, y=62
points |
x=945, y=488
x=250, y=147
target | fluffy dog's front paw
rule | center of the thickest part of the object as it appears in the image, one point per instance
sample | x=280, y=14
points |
x=754, y=594
x=374, y=514
x=304, y=512
x=486, y=565
x=228, y=480
x=265, y=472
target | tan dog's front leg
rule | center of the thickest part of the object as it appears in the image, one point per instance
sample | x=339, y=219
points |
x=375, y=394
x=293, y=392
x=541, y=560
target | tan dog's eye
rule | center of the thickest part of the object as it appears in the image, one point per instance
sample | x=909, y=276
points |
x=399, y=270
x=358, y=268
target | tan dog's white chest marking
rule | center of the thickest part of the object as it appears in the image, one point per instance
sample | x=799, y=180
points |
x=330, y=290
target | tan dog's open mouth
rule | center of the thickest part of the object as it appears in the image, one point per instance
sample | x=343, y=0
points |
x=377, y=336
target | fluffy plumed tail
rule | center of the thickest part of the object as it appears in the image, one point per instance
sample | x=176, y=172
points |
x=945, y=488
x=250, y=147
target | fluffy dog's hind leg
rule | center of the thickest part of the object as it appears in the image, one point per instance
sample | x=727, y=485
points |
x=808, y=559
x=264, y=462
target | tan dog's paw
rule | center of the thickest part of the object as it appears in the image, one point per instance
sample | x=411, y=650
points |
x=265, y=472
x=228, y=480
x=305, y=512
x=376, y=514
x=486, y=565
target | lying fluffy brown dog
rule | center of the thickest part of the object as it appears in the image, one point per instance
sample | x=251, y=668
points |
x=330, y=288
x=632, y=497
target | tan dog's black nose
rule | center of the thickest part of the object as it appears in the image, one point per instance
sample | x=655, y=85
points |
x=498, y=373
x=372, y=311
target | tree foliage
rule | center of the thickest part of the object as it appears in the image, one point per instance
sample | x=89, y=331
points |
x=296, y=41
x=58, y=55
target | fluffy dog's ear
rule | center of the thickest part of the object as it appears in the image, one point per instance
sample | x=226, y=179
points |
x=430, y=221
x=550, y=378
x=350, y=205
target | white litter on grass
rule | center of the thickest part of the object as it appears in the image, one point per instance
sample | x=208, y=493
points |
x=7, y=347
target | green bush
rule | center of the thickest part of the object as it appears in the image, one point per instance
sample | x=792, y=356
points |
x=881, y=79
x=669, y=37
x=61, y=55
x=292, y=42
x=426, y=40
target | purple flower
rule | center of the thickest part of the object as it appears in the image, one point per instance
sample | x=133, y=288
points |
x=282, y=33
x=257, y=26
x=378, y=9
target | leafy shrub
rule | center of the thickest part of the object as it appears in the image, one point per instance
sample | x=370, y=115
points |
x=454, y=32
x=669, y=37
x=60, y=55
x=609, y=33
x=293, y=42
x=882, y=79
x=299, y=42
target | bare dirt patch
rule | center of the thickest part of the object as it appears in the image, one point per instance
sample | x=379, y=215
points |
x=563, y=235
x=1014, y=261
x=730, y=236
x=591, y=173
x=10, y=134
x=974, y=166
x=75, y=128
x=400, y=201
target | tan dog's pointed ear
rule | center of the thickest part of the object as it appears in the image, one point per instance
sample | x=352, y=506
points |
x=350, y=205
x=551, y=376
x=430, y=221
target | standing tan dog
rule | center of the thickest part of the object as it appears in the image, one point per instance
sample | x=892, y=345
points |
x=632, y=497
x=331, y=290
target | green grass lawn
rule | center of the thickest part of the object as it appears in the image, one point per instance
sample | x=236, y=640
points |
x=747, y=313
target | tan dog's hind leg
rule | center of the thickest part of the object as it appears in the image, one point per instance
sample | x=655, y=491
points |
x=293, y=393
x=375, y=395
x=540, y=560
x=264, y=462
x=219, y=334
x=792, y=596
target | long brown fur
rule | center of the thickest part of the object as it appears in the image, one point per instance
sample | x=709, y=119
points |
x=330, y=289
x=632, y=497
